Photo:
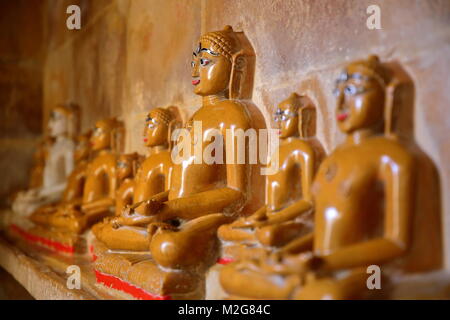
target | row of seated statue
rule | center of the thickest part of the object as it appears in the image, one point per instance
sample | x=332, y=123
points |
x=325, y=218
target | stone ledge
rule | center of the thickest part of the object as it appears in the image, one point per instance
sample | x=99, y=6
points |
x=37, y=278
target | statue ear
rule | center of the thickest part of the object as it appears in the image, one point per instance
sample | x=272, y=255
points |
x=136, y=163
x=307, y=121
x=118, y=138
x=390, y=109
x=173, y=125
x=237, y=75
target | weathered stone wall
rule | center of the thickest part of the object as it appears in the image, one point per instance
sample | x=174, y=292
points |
x=21, y=63
x=133, y=55
x=128, y=57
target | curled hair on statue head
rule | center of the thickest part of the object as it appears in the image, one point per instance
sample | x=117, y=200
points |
x=236, y=48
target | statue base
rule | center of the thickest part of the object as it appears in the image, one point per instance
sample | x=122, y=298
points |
x=214, y=290
x=58, y=241
x=138, y=275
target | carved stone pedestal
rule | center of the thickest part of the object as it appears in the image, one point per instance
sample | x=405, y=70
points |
x=124, y=272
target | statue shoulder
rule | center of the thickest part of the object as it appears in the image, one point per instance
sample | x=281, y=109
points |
x=395, y=151
x=236, y=113
x=156, y=160
x=302, y=145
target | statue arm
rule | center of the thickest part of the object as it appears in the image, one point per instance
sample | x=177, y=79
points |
x=52, y=191
x=188, y=208
x=69, y=162
x=129, y=216
x=98, y=205
x=302, y=244
x=202, y=203
x=290, y=213
x=307, y=163
x=398, y=178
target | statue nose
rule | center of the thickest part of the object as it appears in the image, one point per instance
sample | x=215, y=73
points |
x=340, y=100
x=195, y=72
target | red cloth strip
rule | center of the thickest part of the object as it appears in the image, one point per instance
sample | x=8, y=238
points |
x=55, y=245
x=224, y=260
x=118, y=284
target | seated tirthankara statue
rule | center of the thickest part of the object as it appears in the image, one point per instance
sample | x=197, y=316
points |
x=366, y=209
x=127, y=166
x=152, y=178
x=75, y=183
x=288, y=210
x=72, y=218
x=182, y=224
x=101, y=179
x=63, y=125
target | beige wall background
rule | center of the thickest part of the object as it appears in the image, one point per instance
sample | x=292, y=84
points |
x=133, y=55
x=22, y=52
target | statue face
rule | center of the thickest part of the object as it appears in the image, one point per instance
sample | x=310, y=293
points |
x=57, y=123
x=101, y=137
x=124, y=167
x=360, y=101
x=287, y=118
x=155, y=131
x=210, y=71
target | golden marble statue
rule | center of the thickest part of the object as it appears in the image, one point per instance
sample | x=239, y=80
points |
x=288, y=210
x=127, y=167
x=60, y=227
x=62, y=127
x=367, y=211
x=152, y=178
x=204, y=194
x=75, y=183
x=101, y=181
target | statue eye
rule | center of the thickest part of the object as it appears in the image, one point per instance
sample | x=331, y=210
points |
x=343, y=77
x=192, y=64
x=121, y=164
x=350, y=90
x=204, y=62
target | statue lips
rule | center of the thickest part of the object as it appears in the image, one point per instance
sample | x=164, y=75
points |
x=145, y=139
x=195, y=82
x=342, y=116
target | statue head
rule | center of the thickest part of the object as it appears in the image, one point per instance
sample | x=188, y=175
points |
x=286, y=115
x=104, y=135
x=83, y=147
x=157, y=127
x=361, y=93
x=127, y=165
x=64, y=121
x=223, y=63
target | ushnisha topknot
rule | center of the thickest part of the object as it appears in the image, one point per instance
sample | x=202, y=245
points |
x=223, y=41
x=371, y=66
x=294, y=100
x=162, y=115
